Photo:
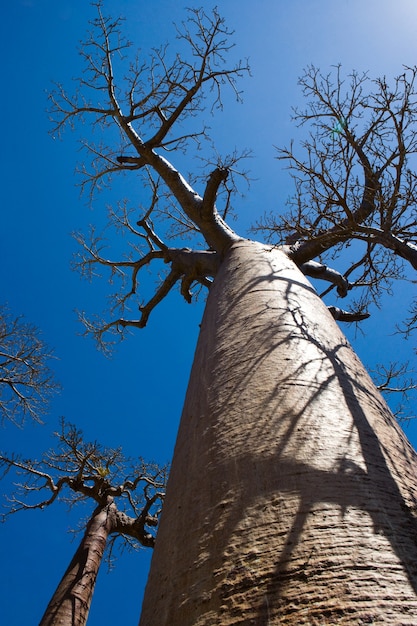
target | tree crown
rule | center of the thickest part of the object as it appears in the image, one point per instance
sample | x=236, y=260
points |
x=78, y=471
x=355, y=189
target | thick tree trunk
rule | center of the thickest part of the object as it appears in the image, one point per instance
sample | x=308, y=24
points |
x=292, y=494
x=70, y=604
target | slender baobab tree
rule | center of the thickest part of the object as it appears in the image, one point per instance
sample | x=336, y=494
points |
x=292, y=493
x=26, y=381
x=127, y=496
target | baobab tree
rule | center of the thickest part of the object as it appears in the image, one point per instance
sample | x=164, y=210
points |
x=292, y=494
x=127, y=497
x=26, y=380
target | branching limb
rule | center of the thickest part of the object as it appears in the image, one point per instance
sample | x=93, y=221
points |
x=38, y=481
x=216, y=178
x=139, y=109
x=347, y=316
x=193, y=266
x=187, y=267
x=26, y=381
x=207, y=37
x=137, y=527
x=78, y=470
x=138, y=162
x=163, y=290
x=354, y=188
x=146, y=105
x=319, y=270
x=397, y=379
x=404, y=249
x=410, y=324
x=93, y=247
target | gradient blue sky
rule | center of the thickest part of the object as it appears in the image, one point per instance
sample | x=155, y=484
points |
x=134, y=399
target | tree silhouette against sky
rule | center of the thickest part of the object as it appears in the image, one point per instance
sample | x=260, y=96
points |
x=289, y=474
x=26, y=379
x=127, y=496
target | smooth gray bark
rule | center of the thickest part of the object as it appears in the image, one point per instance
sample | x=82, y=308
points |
x=292, y=495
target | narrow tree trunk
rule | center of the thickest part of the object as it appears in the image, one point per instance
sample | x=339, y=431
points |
x=71, y=601
x=292, y=493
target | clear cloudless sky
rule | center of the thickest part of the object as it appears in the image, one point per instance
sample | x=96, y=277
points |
x=134, y=399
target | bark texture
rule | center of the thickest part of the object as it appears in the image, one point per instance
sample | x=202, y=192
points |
x=70, y=604
x=291, y=498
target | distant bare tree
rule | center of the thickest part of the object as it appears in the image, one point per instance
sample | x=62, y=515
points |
x=26, y=382
x=127, y=496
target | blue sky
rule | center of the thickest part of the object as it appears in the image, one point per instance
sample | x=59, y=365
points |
x=135, y=398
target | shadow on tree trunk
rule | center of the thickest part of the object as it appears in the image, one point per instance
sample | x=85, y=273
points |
x=289, y=499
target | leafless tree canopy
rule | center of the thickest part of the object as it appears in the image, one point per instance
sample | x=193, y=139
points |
x=26, y=382
x=78, y=471
x=355, y=186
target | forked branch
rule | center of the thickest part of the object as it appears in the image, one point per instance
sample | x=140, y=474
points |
x=78, y=470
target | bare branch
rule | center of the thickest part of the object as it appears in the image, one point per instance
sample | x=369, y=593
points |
x=77, y=470
x=26, y=382
x=352, y=179
x=397, y=379
x=216, y=178
x=410, y=324
x=167, y=91
x=347, y=316
x=318, y=270
x=355, y=194
x=187, y=266
x=137, y=106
